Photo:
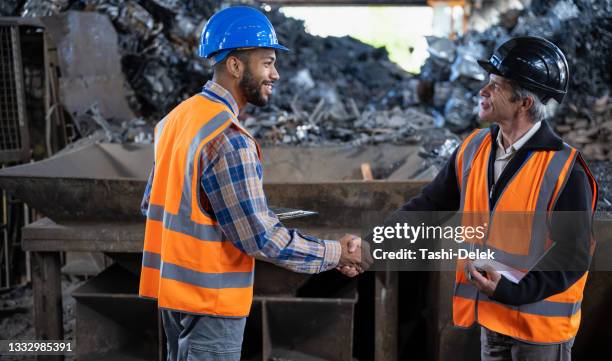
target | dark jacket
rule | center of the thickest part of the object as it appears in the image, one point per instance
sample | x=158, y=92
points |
x=443, y=194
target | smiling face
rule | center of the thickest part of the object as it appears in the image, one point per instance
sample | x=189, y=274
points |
x=259, y=76
x=497, y=103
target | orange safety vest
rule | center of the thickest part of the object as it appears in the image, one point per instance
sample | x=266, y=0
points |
x=188, y=265
x=534, y=190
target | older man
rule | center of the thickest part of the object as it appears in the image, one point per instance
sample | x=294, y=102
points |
x=520, y=165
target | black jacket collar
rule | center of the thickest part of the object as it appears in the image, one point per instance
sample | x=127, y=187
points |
x=544, y=139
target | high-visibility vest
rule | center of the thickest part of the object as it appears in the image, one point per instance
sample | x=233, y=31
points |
x=188, y=265
x=534, y=189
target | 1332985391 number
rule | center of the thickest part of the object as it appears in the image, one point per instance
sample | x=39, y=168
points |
x=11, y=347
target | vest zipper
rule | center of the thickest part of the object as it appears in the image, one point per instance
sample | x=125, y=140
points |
x=491, y=209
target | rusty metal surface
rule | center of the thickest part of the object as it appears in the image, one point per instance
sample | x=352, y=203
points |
x=45, y=235
x=13, y=20
x=94, y=76
x=386, y=315
x=94, y=161
x=112, y=322
x=338, y=163
x=98, y=182
x=75, y=198
x=325, y=329
x=273, y=280
x=338, y=203
x=105, y=182
x=123, y=242
x=342, y=204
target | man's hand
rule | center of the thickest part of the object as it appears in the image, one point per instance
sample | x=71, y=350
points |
x=349, y=271
x=484, y=284
x=355, y=257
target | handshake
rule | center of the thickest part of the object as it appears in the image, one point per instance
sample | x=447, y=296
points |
x=355, y=257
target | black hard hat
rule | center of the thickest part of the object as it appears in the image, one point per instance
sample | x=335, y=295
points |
x=534, y=63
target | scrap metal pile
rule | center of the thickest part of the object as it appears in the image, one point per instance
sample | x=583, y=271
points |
x=582, y=29
x=340, y=90
x=332, y=89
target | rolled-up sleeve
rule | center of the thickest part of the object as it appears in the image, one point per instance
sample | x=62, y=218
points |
x=233, y=184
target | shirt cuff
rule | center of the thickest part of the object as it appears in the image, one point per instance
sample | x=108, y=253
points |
x=331, y=256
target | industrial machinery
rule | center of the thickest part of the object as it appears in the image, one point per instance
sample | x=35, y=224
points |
x=92, y=195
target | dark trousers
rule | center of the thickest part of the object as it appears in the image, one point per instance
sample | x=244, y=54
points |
x=497, y=347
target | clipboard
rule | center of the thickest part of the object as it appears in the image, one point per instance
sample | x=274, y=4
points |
x=290, y=213
x=512, y=274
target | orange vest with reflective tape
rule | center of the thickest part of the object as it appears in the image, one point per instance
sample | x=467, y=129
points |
x=532, y=191
x=188, y=265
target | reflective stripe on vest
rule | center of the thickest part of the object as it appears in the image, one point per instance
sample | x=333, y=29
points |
x=542, y=308
x=539, y=181
x=187, y=263
x=465, y=157
x=184, y=225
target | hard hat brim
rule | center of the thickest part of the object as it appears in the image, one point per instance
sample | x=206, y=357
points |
x=489, y=67
x=221, y=54
x=279, y=47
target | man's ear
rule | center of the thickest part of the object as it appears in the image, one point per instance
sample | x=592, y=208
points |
x=527, y=103
x=234, y=67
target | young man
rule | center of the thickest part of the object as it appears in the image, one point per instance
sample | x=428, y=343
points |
x=520, y=165
x=207, y=215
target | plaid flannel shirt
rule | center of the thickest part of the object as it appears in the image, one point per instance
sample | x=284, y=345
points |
x=232, y=179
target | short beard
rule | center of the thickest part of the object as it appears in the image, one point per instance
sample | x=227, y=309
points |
x=252, y=89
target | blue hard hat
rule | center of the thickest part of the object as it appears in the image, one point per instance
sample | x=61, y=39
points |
x=235, y=28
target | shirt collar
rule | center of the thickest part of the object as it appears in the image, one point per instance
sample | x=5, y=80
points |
x=520, y=142
x=221, y=92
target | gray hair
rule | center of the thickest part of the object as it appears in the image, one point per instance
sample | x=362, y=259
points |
x=539, y=110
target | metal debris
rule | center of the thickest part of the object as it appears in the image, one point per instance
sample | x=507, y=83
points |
x=9, y=7
x=466, y=64
x=580, y=29
x=339, y=90
x=95, y=75
x=441, y=48
x=90, y=122
x=437, y=146
x=602, y=171
x=38, y=8
x=589, y=128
